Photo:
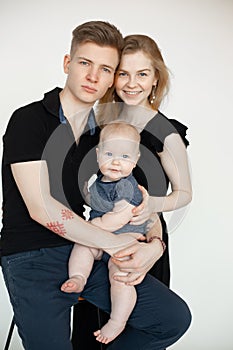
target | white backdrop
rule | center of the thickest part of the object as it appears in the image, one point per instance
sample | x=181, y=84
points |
x=196, y=41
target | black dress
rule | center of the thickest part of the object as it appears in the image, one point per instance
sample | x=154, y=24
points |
x=150, y=174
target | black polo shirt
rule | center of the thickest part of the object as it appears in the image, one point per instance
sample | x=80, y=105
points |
x=35, y=132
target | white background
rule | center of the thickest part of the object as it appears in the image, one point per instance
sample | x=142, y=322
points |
x=196, y=39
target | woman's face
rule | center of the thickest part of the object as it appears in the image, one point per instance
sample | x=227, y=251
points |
x=135, y=78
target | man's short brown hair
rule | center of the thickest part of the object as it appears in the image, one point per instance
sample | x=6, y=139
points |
x=98, y=32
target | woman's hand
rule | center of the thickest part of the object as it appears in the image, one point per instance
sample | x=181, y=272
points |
x=142, y=257
x=142, y=212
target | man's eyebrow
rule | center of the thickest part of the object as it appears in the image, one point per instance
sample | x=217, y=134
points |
x=88, y=60
x=84, y=58
x=110, y=67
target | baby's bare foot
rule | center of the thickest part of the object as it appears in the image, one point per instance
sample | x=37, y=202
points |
x=74, y=284
x=109, y=331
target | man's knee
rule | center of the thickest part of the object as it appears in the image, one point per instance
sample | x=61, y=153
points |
x=180, y=321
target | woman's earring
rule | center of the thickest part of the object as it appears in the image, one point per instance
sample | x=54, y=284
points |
x=152, y=95
x=114, y=96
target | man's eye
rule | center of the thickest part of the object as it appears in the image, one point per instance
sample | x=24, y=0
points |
x=107, y=70
x=122, y=74
x=84, y=63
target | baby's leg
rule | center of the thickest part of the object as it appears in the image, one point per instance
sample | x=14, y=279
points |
x=123, y=299
x=80, y=265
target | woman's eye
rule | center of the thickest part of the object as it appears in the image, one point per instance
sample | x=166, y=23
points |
x=142, y=74
x=122, y=74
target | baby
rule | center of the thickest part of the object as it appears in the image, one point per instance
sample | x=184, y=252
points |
x=111, y=197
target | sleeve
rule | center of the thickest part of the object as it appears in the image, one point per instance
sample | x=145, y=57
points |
x=127, y=189
x=161, y=127
x=24, y=139
x=181, y=129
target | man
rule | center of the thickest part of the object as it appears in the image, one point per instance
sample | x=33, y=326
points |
x=44, y=146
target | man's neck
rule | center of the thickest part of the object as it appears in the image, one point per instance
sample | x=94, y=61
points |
x=73, y=107
x=75, y=111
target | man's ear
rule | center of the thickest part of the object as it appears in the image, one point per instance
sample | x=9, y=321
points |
x=66, y=63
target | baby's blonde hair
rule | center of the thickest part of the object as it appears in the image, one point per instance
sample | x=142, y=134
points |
x=120, y=129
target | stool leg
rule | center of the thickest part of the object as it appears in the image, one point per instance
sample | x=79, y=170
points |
x=9, y=334
x=87, y=318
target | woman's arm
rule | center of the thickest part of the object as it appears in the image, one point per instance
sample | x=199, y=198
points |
x=175, y=164
x=32, y=180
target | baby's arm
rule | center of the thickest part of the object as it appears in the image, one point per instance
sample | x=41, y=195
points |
x=115, y=219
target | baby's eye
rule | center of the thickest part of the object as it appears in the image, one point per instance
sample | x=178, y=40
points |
x=109, y=154
x=125, y=156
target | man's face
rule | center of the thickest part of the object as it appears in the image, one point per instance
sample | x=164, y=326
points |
x=90, y=72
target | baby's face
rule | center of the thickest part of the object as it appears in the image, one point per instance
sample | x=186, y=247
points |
x=117, y=157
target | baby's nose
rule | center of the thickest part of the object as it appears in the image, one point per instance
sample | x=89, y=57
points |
x=115, y=160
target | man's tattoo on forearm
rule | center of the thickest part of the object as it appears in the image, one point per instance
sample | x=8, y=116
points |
x=56, y=227
x=67, y=214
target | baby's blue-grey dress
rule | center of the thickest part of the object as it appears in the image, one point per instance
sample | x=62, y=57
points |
x=104, y=195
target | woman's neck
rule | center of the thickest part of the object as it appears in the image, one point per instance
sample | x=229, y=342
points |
x=137, y=116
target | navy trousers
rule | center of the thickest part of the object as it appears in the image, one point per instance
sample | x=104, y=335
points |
x=42, y=312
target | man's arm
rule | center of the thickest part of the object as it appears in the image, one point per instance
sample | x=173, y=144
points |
x=32, y=180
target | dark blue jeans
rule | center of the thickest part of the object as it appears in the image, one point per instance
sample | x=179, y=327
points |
x=42, y=311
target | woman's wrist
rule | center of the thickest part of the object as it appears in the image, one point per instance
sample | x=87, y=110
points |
x=159, y=204
x=155, y=237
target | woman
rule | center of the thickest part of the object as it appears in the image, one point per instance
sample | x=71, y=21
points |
x=141, y=82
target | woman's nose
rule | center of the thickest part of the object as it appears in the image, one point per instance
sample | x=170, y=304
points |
x=132, y=82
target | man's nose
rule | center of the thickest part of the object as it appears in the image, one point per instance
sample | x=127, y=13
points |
x=93, y=75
